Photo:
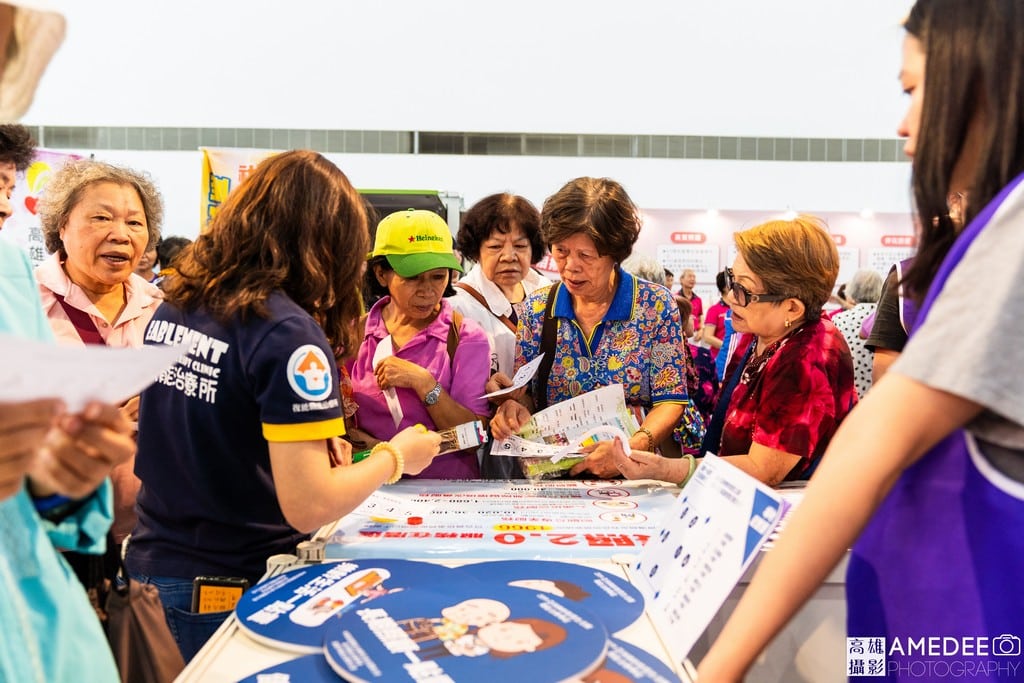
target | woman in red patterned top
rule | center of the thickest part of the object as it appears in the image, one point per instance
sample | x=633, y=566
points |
x=785, y=397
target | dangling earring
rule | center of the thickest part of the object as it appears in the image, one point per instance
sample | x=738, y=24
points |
x=788, y=323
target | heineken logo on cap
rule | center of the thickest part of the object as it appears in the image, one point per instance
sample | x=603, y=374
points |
x=425, y=238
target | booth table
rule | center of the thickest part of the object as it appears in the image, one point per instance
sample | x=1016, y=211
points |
x=603, y=525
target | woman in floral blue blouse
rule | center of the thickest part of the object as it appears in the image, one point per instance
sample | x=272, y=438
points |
x=609, y=327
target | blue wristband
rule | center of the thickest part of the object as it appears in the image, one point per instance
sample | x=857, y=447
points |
x=48, y=503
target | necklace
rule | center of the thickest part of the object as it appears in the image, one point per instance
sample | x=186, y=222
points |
x=752, y=370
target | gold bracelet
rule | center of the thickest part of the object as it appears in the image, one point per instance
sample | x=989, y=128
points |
x=650, y=437
x=394, y=453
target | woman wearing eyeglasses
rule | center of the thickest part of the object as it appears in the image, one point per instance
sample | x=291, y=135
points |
x=785, y=397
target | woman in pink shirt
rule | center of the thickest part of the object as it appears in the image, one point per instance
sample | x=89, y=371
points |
x=419, y=362
x=98, y=220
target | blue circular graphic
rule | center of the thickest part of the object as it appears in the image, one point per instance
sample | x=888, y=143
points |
x=308, y=669
x=293, y=610
x=627, y=662
x=469, y=632
x=611, y=599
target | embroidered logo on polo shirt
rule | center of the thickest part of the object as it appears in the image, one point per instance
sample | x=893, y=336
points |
x=309, y=373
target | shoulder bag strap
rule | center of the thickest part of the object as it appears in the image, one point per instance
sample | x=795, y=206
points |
x=548, y=337
x=83, y=323
x=468, y=289
x=453, y=335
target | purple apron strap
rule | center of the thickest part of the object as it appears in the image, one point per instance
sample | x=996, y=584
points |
x=83, y=323
x=908, y=307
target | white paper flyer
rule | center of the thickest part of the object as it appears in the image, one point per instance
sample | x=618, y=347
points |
x=563, y=424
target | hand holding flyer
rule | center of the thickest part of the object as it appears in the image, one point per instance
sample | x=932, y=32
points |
x=521, y=378
x=101, y=373
x=602, y=433
x=549, y=442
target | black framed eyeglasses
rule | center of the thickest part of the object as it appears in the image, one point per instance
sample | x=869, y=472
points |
x=744, y=297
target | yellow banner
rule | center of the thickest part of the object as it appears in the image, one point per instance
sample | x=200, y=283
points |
x=223, y=170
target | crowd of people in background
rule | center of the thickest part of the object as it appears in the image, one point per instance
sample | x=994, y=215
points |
x=336, y=346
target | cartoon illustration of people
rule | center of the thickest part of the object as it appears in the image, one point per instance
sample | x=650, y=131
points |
x=361, y=586
x=480, y=626
x=516, y=636
x=563, y=589
x=477, y=612
x=326, y=606
x=456, y=621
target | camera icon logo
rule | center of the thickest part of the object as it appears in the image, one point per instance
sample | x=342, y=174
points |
x=1006, y=645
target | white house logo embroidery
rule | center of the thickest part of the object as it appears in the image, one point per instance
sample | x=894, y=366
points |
x=309, y=373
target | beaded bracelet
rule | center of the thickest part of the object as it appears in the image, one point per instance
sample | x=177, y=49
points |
x=650, y=437
x=692, y=465
x=394, y=453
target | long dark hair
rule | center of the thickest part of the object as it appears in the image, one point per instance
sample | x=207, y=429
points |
x=296, y=225
x=974, y=65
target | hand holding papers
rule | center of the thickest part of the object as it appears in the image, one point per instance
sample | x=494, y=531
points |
x=548, y=440
x=453, y=439
x=602, y=433
x=521, y=378
x=78, y=375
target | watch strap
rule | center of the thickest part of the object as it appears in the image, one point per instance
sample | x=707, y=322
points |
x=433, y=395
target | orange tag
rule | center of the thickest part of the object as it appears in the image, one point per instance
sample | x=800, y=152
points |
x=217, y=598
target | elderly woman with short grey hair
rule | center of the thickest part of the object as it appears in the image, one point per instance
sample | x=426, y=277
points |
x=863, y=290
x=98, y=220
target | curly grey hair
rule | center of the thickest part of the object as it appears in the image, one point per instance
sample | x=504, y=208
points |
x=864, y=287
x=64, y=191
x=645, y=268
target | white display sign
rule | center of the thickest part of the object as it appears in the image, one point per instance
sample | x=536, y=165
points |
x=703, y=260
x=710, y=536
x=883, y=258
x=849, y=263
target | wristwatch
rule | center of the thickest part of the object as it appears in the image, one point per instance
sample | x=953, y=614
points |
x=432, y=395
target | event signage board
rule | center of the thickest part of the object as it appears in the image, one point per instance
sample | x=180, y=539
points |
x=718, y=524
x=23, y=228
x=502, y=519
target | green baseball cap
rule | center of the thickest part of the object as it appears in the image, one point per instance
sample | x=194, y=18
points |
x=415, y=241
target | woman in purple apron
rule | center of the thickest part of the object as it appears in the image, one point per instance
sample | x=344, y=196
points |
x=928, y=470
